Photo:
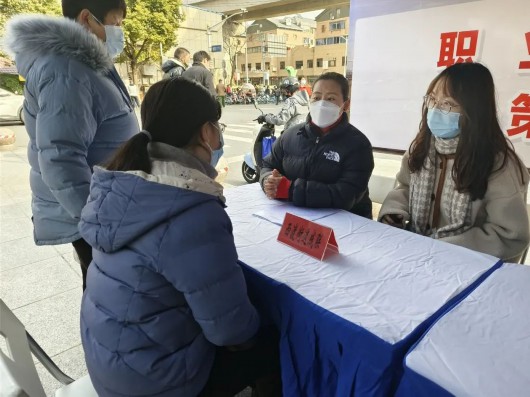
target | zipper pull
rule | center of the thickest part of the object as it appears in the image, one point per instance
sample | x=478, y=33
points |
x=318, y=139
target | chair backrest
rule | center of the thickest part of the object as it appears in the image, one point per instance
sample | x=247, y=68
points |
x=18, y=375
x=379, y=186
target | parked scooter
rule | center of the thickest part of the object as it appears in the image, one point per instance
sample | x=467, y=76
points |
x=263, y=138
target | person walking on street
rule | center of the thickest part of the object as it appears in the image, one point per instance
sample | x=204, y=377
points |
x=277, y=94
x=200, y=71
x=133, y=93
x=176, y=66
x=221, y=92
x=76, y=106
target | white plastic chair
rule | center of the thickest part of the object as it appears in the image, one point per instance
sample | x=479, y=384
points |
x=18, y=375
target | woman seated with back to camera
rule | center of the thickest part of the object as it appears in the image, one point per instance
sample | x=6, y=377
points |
x=325, y=162
x=461, y=181
x=166, y=310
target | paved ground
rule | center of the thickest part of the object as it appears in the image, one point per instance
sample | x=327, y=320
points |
x=42, y=285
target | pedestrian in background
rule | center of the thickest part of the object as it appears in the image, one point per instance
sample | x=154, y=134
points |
x=176, y=66
x=77, y=109
x=200, y=71
x=221, y=92
x=133, y=93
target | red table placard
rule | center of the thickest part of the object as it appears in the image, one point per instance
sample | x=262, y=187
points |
x=308, y=237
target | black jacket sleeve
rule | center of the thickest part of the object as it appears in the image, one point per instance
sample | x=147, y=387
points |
x=348, y=190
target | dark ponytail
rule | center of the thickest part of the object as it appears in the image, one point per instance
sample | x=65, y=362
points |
x=132, y=155
x=173, y=112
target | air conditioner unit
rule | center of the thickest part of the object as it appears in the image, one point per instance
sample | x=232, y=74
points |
x=325, y=64
x=274, y=69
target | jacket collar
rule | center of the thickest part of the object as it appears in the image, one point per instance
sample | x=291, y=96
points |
x=30, y=37
x=311, y=130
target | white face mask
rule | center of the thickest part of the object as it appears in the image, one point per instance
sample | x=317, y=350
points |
x=115, y=39
x=324, y=113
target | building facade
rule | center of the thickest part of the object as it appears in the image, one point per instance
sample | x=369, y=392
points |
x=311, y=47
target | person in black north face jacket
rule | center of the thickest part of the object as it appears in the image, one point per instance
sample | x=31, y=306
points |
x=325, y=162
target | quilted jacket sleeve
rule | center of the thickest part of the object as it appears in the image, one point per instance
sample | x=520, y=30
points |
x=200, y=260
x=288, y=112
x=65, y=128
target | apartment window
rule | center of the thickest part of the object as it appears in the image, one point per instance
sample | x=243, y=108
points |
x=309, y=63
x=323, y=28
x=343, y=61
x=299, y=64
x=321, y=41
x=249, y=66
x=337, y=25
x=268, y=65
x=307, y=40
x=338, y=13
x=243, y=67
x=282, y=65
x=320, y=62
x=258, y=66
x=332, y=63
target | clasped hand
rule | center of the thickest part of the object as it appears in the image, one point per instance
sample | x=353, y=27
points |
x=395, y=220
x=270, y=186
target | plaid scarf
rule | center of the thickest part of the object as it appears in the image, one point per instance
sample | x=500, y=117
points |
x=455, y=206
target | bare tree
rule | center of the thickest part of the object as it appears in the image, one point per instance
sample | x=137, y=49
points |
x=234, y=41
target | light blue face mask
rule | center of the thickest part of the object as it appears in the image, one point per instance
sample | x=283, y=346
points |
x=115, y=40
x=442, y=125
x=217, y=153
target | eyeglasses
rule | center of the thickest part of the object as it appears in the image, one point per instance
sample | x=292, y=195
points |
x=220, y=126
x=444, y=106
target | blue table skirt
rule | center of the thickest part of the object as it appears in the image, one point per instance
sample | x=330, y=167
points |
x=324, y=355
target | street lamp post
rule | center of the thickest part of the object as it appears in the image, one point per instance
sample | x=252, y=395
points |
x=209, y=29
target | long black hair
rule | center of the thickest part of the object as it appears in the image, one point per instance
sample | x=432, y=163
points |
x=173, y=112
x=482, y=143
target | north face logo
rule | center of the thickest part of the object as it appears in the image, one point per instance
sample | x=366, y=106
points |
x=331, y=155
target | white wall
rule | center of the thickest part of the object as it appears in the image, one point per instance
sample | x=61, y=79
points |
x=395, y=57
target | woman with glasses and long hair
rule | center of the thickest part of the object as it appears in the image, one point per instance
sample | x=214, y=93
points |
x=461, y=180
x=166, y=310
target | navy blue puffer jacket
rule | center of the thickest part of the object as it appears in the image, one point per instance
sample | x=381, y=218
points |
x=164, y=286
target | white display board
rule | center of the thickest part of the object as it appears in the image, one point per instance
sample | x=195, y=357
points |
x=396, y=55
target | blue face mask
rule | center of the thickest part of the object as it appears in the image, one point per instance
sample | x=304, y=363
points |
x=217, y=153
x=442, y=125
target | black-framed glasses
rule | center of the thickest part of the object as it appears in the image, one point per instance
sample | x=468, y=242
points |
x=444, y=106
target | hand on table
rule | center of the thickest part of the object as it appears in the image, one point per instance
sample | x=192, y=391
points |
x=395, y=220
x=270, y=186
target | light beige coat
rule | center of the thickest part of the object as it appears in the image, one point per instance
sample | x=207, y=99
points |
x=500, y=219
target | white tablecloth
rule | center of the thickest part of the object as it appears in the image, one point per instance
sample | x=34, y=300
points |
x=385, y=280
x=481, y=347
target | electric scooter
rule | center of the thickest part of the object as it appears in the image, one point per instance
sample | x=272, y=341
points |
x=263, y=138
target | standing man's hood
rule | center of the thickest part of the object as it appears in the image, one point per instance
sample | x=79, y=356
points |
x=30, y=37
